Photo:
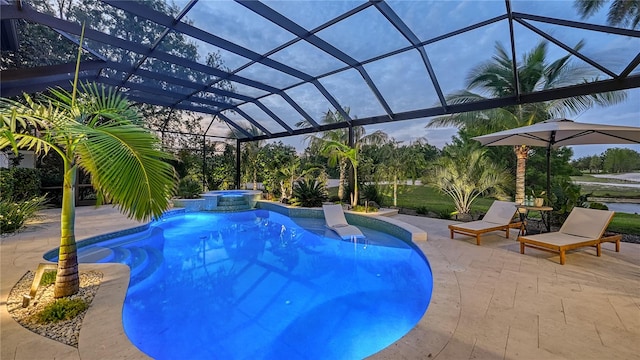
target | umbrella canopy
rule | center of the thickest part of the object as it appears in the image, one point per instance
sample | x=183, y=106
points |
x=562, y=132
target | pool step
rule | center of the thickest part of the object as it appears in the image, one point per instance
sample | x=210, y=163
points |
x=153, y=263
x=95, y=255
x=142, y=261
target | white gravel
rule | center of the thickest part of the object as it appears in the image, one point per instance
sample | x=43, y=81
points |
x=66, y=332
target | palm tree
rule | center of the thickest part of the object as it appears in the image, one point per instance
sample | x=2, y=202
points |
x=96, y=130
x=465, y=173
x=621, y=12
x=400, y=162
x=338, y=151
x=494, y=79
x=342, y=136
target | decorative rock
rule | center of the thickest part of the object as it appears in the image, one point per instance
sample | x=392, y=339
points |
x=66, y=332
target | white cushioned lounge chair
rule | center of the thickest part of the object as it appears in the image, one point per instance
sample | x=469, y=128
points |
x=583, y=227
x=334, y=217
x=497, y=218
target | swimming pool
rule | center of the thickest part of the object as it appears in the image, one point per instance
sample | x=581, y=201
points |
x=258, y=284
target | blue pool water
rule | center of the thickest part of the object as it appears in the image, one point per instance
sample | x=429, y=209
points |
x=259, y=285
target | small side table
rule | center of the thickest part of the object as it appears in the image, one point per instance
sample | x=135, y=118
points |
x=545, y=212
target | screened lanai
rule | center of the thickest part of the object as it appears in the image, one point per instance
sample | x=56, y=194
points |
x=279, y=66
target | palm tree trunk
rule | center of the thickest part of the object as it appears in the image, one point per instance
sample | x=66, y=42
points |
x=354, y=200
x=395, y=191
x=283, y=190
x=522, y=153
x=255, y=178
x=343, y=176
x=67, y=279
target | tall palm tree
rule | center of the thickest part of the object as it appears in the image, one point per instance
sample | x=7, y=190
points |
x=360, y=138
x=96, y=130
x=338, y=151
x=494, y=79
x=621, y=12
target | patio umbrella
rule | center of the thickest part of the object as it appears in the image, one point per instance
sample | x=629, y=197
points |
x=562, y=132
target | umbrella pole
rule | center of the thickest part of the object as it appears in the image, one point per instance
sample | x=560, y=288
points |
x=548, y=186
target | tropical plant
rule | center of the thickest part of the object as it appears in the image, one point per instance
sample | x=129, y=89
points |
x=309, y=193
x=399, y=163
x=271, y=161
x=189, y=188
x=291, y=173
x=19, y=184
x=371, y=192
x=13, y=214
x=465, y=173
x=360, y=138
x=221, y=167
x=337, y=151
x=495, y=79
x=566, y=196
x=61, y=309
x=621, y=12
x=95, y=129
x=250, y=157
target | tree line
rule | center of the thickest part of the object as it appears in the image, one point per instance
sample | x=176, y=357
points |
x=614, y=160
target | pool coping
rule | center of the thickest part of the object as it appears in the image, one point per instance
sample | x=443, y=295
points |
x=377, y=221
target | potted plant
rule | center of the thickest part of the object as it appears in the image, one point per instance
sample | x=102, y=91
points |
x=538, y=199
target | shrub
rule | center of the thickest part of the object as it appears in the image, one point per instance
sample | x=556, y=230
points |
x=14, y=214
x=422, y=210
x=61, y=309
x=444, y=213
x=19, y=184
x=362, y=208
x=309, y=193
x=566, y=196
x=189, y=189
x=48, y=278
x=598, y=206
x=371, y=193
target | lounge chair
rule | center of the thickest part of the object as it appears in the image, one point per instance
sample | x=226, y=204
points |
x=583, y=227
x=497, y=218
x=334, y=217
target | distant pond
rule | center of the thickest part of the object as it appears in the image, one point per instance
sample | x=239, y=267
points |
x=624, y=207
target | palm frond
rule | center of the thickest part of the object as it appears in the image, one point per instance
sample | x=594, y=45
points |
x=587, y=8
x=128, y=167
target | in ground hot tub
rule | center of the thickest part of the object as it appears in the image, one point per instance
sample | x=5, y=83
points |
x=221, y=200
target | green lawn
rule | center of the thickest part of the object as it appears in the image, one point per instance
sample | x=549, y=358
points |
x=606, y=191
x=416, y=197
x=625, y=223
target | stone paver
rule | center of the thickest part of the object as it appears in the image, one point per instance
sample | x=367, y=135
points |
x=488, y=302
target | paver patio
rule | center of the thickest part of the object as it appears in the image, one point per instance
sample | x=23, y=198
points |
x=489, y=301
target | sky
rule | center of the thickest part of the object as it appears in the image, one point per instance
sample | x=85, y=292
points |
x=402, y=79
